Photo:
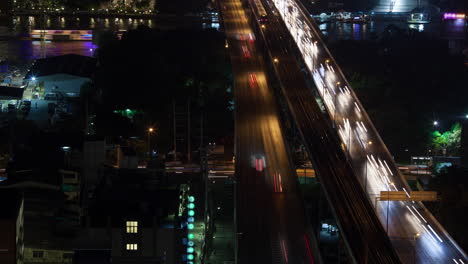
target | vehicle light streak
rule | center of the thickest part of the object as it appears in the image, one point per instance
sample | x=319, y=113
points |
x=381, y=175
x=414, y=208
x=280, y=183
x=407, y=194
x=308, y=250
x=386, y=165
x=438, y=237
x=285, y=254
x=357, y=107
x=414, y=214
x=430, y=235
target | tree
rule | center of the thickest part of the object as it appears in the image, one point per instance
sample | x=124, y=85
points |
x=449, y=142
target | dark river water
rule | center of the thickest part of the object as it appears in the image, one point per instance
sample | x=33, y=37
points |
x=16, y=48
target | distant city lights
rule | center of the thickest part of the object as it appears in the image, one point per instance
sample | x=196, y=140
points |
x=454, y=16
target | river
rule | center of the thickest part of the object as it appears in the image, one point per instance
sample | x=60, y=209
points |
x=18, y=50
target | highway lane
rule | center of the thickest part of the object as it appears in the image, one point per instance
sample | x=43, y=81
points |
x=415, y=234
x=365, y=235
x=270, y=216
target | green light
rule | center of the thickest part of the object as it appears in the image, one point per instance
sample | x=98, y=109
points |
x=190, y=226
x=190, y=257
x=191, y=213
x=190, y=236
x=191, y=205
x=190, y=250
x=191, y=199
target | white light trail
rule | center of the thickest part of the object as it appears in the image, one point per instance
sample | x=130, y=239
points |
x=386, y=165
x=429, y=233
x=414, y=214
x=438, y=237
x=416, y=210
x=338, y=98
x=357, y=107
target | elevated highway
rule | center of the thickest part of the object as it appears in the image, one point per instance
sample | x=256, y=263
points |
x=415, y=233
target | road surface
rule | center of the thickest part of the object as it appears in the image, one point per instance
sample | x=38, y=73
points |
x=270, y=226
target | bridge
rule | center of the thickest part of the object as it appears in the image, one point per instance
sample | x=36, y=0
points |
x=350, y=159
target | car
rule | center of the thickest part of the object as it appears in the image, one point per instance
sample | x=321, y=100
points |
x=50, y=97
x=26, y=105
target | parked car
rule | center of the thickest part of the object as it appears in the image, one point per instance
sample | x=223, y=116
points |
x=50, y=96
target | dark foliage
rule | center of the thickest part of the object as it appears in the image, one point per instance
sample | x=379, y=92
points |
x=406, y=80
x=452, y=210
x=147, y=70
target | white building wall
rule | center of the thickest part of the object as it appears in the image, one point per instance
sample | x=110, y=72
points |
x=64, y=83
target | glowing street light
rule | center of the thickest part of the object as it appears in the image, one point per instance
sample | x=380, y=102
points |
x=150, y=131
x=436, y=123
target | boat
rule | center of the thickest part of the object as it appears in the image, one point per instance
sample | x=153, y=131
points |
x=61, y=35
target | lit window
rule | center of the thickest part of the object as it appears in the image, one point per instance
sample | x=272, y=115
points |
x=132, y=246
x=132, y=227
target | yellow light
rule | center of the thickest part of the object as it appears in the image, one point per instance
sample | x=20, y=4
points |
x=263, y=26
x=150, y=129
x=370, y=142
x=327, y=61
x=275, y=60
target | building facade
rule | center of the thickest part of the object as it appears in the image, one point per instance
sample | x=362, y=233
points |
x=11, y=228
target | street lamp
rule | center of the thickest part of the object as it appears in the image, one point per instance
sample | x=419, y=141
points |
x=436, y=123
x=416, y=236
x=150, y=131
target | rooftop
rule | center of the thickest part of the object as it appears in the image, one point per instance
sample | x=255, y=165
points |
x=72, y=64
x=10, y=93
